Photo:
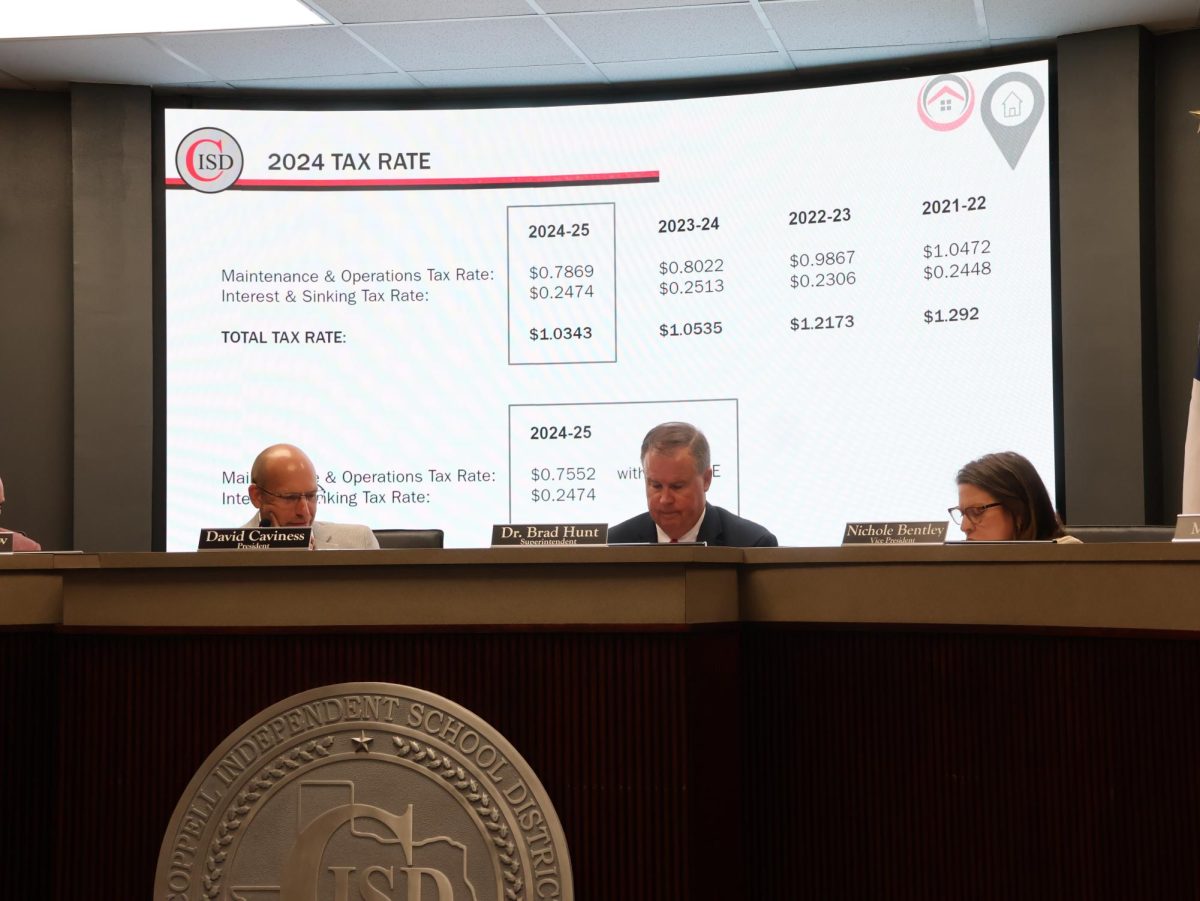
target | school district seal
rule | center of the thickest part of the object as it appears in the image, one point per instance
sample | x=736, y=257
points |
x=364, y=791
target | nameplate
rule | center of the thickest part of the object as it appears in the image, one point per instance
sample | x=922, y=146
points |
x=895, y=532
x=541, y=535
x=6, y=542
x=256, y=538
x=1187, y=527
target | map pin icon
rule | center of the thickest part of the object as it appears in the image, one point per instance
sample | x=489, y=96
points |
x=1011, y=109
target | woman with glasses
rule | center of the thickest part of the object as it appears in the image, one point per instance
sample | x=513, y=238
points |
x=1001, y=498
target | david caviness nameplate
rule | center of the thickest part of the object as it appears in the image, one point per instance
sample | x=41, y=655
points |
x=364, y=792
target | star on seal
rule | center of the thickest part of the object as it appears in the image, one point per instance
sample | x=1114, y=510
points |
x=362, y=743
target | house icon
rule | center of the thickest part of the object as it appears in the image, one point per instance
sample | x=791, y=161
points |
x=1012, y=106
x=945, y=99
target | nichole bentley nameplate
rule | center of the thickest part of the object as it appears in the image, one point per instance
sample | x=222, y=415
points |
x=364, y=790
x=895, y=532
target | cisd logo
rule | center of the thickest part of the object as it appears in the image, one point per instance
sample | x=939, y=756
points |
x=946, y=102
x=364, y=792
x=209, y=160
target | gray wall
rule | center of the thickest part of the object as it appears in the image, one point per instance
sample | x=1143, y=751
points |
x=114, y=362
x=35, y=315
x=1107, y=264
x=1177, y=167
x=76, y=312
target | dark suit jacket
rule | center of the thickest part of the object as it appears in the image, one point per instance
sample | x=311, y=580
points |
x=720, y=529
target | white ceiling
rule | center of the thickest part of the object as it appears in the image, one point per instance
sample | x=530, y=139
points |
x=413, y=45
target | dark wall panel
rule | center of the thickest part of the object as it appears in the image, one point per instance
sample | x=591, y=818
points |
x=1178, y=166
x=916, y=766
x=599, y=718
x=114, y=353
x=1109, y=384
x=28, y=730
x=35, y=314
x=855, y=765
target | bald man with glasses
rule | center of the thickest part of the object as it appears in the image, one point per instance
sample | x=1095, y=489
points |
x=284, y=490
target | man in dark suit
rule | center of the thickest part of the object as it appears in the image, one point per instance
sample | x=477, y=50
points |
x=678, y=470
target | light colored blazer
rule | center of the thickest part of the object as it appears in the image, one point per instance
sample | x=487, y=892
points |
x=337, y=536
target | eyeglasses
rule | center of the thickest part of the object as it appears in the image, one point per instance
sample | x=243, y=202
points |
x=309, y=497
x=973, y=514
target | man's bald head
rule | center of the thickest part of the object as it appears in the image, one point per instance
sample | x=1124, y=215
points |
x=284, y=486
x=279, y=459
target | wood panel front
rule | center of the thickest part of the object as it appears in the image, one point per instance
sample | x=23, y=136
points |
x=602, y=717
x=915, y=765
x=792, y=723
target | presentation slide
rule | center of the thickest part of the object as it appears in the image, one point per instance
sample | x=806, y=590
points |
x=473, y=316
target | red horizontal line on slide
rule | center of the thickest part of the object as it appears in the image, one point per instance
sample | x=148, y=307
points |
x=499, y=180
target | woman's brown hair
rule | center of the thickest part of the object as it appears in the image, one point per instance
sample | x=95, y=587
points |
x=1012, y=480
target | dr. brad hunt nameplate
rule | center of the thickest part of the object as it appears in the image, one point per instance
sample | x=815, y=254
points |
x=569, y=534
x=364, y=791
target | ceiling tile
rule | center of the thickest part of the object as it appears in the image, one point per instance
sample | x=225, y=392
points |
x=1042, y=44
x=469, y=44
x=118, y=60
x=378, y=81
x=805, y=25
x=704, y=67
x=275, y=53
x=515, y=76
x=357, y=11
x=202, y=87
x=863, y=55
x=1037, y=18
x=500, y=43
x=682, y=32
x=575, y=6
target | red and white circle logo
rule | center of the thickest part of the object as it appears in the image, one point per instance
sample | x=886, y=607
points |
x=946, y=102
x=209, y=160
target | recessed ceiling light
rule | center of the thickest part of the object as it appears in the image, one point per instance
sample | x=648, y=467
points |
x=68, y=18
